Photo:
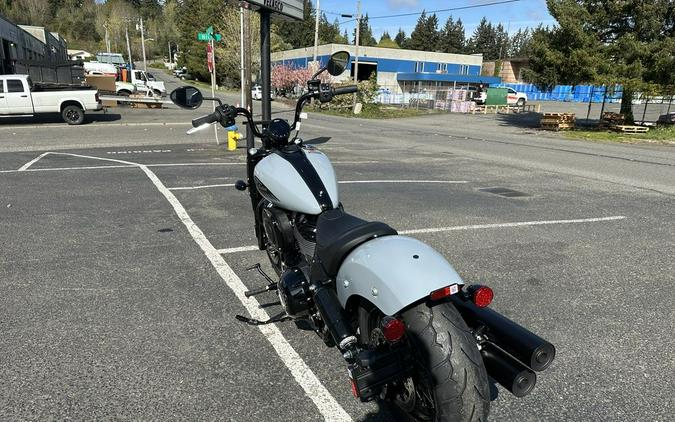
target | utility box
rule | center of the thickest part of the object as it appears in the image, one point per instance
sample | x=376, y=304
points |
x=496, y=96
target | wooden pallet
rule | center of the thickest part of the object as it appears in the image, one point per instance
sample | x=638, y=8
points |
x=557, y=126
x=630, y=129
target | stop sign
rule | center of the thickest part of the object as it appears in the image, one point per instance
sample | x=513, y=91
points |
x=209, y=57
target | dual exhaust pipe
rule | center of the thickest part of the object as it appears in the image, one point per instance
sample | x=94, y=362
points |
x=511, y=353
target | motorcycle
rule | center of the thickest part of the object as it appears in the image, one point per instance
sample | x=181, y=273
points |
x=410, y=330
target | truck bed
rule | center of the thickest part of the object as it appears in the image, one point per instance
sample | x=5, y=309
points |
x=42, y=87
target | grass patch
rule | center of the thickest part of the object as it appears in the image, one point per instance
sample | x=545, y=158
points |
x=375, y=111
x=664, y=135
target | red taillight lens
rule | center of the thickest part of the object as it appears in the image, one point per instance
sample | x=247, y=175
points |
x=355, y=389
x=444, y=292
x=393, y=329
x=482, y=296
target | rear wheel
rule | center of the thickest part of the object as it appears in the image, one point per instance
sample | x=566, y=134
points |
x=73, y=115
x=449, y=382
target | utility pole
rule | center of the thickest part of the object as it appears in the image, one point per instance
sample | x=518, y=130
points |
x=356, y=59
x=170, y=56
x=248, y=104
x=145, y=63
x=107, y=40
x=316, y=31
x=131, y=61
x=241, y=53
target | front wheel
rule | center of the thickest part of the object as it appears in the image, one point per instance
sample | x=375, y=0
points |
x=449, y=381
x=520, y=102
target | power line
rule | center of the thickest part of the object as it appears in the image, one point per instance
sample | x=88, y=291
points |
x=473, y=6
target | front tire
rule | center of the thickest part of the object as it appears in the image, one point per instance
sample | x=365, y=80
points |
x=73, y=115
x=449, y=382
x=520, y=102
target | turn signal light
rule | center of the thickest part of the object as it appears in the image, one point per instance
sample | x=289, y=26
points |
x=482, y=296
x=392, y=329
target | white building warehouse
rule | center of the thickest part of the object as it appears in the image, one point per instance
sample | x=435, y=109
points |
x=397, y=69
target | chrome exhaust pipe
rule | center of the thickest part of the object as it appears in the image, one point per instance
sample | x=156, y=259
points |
x=507, y=371
x=525, y=346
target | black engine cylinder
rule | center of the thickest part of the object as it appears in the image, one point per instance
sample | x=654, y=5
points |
x=511, y=374
x=524, y=345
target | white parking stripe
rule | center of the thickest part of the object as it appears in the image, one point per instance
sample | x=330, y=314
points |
x=329, y=408
x=31, y=162
x=471, y=227
x=342, y=182
x=518, y=224
x=240, y=249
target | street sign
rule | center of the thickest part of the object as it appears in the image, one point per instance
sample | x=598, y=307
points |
x=209, y=57
x=289, y=8
x=206, y=36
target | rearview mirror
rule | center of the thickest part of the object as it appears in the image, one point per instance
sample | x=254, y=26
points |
x=187, y=97
x=338, y=63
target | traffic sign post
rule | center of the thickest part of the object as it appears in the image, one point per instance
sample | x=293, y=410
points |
x=211, y=39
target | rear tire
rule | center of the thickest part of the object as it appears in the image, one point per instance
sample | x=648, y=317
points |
x=73, y=115
x=450, y=383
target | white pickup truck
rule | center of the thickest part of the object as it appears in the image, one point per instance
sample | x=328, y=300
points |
x=20, y=97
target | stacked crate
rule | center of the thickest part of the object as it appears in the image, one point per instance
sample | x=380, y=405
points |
x=610, y=119
x=558, y=121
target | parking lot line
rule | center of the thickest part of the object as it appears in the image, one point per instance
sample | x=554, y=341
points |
x=31, y=162
x=342, y=182
x=470, y=227
x=329, y=408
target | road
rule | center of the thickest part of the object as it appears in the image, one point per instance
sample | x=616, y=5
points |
x=124, y=263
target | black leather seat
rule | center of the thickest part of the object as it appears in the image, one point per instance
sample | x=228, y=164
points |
x=337, y=233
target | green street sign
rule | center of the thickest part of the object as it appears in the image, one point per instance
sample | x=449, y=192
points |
x=206, y=36
x=209, y=30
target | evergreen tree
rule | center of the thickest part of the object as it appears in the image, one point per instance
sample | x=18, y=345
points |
x=386, y=41
x=452, y=37
x=299, y=34
x=400, y=37
x=425, y=36
x=484, y=41
x=519, y=43
x=366, y=35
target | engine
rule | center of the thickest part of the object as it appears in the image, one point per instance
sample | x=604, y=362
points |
x=294, y=292
x=279, y=232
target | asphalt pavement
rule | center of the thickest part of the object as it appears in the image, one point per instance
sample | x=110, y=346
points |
x=125, y=250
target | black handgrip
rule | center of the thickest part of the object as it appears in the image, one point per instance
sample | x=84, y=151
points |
x=209, y=118
x=345, y=90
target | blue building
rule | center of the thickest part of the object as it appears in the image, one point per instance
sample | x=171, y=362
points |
x=399, y=70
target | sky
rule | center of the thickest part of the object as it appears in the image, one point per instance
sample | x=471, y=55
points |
x=515, y=15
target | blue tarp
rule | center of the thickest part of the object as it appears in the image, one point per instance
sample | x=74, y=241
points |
x=579, y=93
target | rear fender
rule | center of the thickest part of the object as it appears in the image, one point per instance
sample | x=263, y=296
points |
x=393, y=272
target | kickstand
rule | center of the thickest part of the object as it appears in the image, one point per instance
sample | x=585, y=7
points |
x=262, y=273
x=277, y=318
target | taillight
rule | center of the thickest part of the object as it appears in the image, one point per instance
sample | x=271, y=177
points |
x=482, y=296
x=392, y=329
x=444, y=292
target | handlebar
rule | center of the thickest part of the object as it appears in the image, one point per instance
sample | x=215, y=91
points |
x=209, y=118
x=225, y=114
x=345, y=90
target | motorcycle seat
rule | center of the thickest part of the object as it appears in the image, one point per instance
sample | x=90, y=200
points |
x=338, y=233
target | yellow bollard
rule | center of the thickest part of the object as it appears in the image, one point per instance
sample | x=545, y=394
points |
x=232, y=138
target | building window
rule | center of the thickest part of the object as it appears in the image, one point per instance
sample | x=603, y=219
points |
x=443, y=67
x=419, y=67
x=463, y=69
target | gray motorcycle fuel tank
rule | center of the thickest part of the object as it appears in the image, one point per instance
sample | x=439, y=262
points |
x=300, y=179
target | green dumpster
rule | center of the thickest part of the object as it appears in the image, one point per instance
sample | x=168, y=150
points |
x=496, y=96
